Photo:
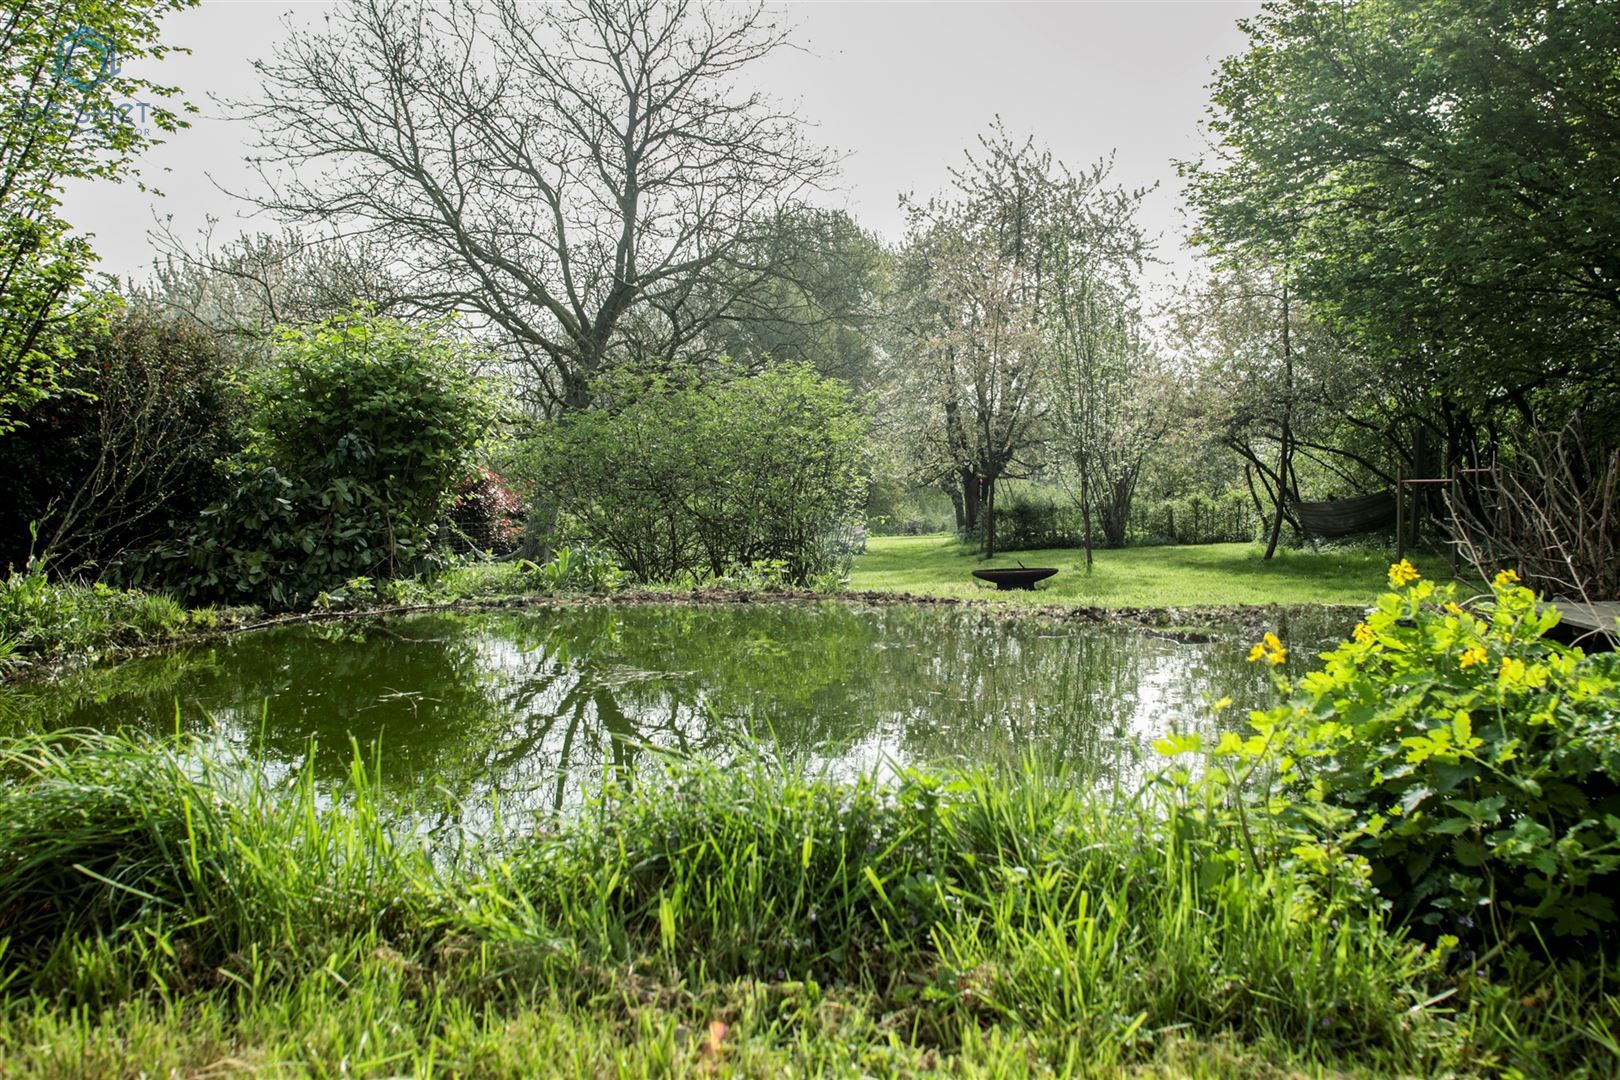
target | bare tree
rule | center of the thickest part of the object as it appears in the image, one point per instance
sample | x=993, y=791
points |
x=1552, y=513
x=573, y=174
x=242, y=289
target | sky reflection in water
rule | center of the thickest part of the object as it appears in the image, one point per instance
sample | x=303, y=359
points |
x=538, y=707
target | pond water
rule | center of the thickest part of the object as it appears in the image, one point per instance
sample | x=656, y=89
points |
x=539, y=706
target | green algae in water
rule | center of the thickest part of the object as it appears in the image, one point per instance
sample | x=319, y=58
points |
x=538, y=707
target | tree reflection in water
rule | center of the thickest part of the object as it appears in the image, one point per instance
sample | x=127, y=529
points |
x=537, y=707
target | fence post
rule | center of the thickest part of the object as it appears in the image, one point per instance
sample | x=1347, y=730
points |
x=1456, y=540
x=1400, y=514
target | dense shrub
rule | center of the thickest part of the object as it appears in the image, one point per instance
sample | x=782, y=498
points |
x=393, y=405
x=360, y=432
x=1471, y=762
x=128, y=453
x=679, y=478
x=1026, y=521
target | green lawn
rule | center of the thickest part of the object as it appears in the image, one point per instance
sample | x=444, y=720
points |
x=1210, y=575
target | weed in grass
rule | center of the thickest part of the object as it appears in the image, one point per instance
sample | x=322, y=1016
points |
x=41, y=618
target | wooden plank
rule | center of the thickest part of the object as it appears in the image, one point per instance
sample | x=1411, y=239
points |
x=1591, y=626
x=1598, y=616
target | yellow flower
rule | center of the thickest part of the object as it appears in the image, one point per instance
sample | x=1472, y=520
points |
x=1363, y=633
x=1504, y=578
x=1512, y=673
x=1271, y=649
x=1453, y=608
x=1473, y=656
x=1403, y=573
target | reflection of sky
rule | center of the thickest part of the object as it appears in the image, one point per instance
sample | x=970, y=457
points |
x=1157, y=686
x=486, y=722
x=1170, y=688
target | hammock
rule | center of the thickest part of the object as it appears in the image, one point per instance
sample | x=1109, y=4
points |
x=1345, y=517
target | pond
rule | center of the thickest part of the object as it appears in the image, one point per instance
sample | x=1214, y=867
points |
x=539, y=706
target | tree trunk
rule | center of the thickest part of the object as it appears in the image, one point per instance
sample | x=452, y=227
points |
x=1116, y=513
x=970, y=501
x=1281, y=494
x=989, y=519
x=1085, y=511
x=1285, y=455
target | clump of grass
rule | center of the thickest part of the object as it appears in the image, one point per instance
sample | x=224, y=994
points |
x=129, y=862
x=964, y=901
x=165, y=905
x=43, y=619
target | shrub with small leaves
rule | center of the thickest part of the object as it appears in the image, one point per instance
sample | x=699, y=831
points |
x=687, y=479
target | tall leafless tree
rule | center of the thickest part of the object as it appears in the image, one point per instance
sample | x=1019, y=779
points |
x=586, y=178
x=241, y=290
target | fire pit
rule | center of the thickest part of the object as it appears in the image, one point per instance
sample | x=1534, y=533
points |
x=1019, y=577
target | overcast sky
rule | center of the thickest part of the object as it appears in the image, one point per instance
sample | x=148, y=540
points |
x=902, y=88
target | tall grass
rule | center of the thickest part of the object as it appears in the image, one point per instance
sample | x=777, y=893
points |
x=165, y=907
x=44, y=619
x=128, y=863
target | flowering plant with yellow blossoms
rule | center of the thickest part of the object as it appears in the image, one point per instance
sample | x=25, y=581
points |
x=1451, y=753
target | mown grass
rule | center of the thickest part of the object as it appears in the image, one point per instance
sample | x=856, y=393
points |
x=1208, y=575
x=166, y=909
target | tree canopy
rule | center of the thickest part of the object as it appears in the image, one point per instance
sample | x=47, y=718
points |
x=1437, y=180
x=589, y=180
x=71, y=113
